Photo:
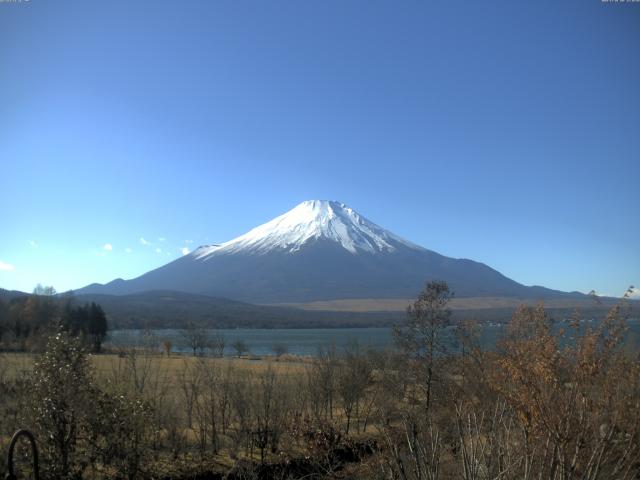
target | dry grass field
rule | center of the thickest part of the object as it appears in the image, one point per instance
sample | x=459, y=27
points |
x=109, y=366
x=469, y=303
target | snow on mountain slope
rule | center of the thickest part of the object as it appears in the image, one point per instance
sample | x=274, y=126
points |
x=312, y=220
x=318, y=251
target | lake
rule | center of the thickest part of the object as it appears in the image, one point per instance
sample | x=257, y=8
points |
x=298, y=341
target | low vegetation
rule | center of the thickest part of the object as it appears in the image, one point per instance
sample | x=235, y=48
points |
x=547, y=403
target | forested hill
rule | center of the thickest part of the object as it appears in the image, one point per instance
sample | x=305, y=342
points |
x=170, y=309
x=7, y=295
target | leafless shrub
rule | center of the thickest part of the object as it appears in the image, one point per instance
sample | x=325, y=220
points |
x=196, y=338
x=354, y=377
x=241, y=347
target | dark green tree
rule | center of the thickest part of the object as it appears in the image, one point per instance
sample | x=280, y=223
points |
x=96, y=327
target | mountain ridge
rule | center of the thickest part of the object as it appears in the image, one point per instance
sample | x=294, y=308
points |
x=320, y=250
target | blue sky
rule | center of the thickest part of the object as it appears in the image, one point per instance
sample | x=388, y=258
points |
x=506, y=132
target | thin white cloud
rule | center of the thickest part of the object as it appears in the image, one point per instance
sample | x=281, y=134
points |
x=184, y=250
x=161, y=239
x=33, y=243
x=158, y=250
x=7, y=267
x=128, y=250
x=145, y=242
x=108, y=247
x=188, y=241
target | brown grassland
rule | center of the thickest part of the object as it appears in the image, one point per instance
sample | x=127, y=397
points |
x=463, y=303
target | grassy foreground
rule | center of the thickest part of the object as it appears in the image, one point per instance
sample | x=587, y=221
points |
x=545, y=404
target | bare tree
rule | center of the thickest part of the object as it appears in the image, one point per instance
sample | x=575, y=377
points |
x=322, y=378
x=268, y=412
x=189, y=383
x=241, y=404
x=422, y=335
x=412, y=453
x=217, y=343
x=354, y=375
x=279, y=349
x=240, y=347
x=207, y=405
x=196, y=338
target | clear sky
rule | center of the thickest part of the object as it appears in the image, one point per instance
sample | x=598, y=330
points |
x=503, y=131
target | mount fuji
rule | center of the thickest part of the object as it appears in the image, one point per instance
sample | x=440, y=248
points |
x=320, y=250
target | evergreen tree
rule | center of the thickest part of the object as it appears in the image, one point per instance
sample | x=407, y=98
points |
x=96, y=326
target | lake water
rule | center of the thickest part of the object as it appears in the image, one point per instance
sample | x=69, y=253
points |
x=303, y=342
x=298, y=341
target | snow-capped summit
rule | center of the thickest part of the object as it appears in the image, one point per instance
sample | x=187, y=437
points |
x=319, y=250
x=312, y=220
